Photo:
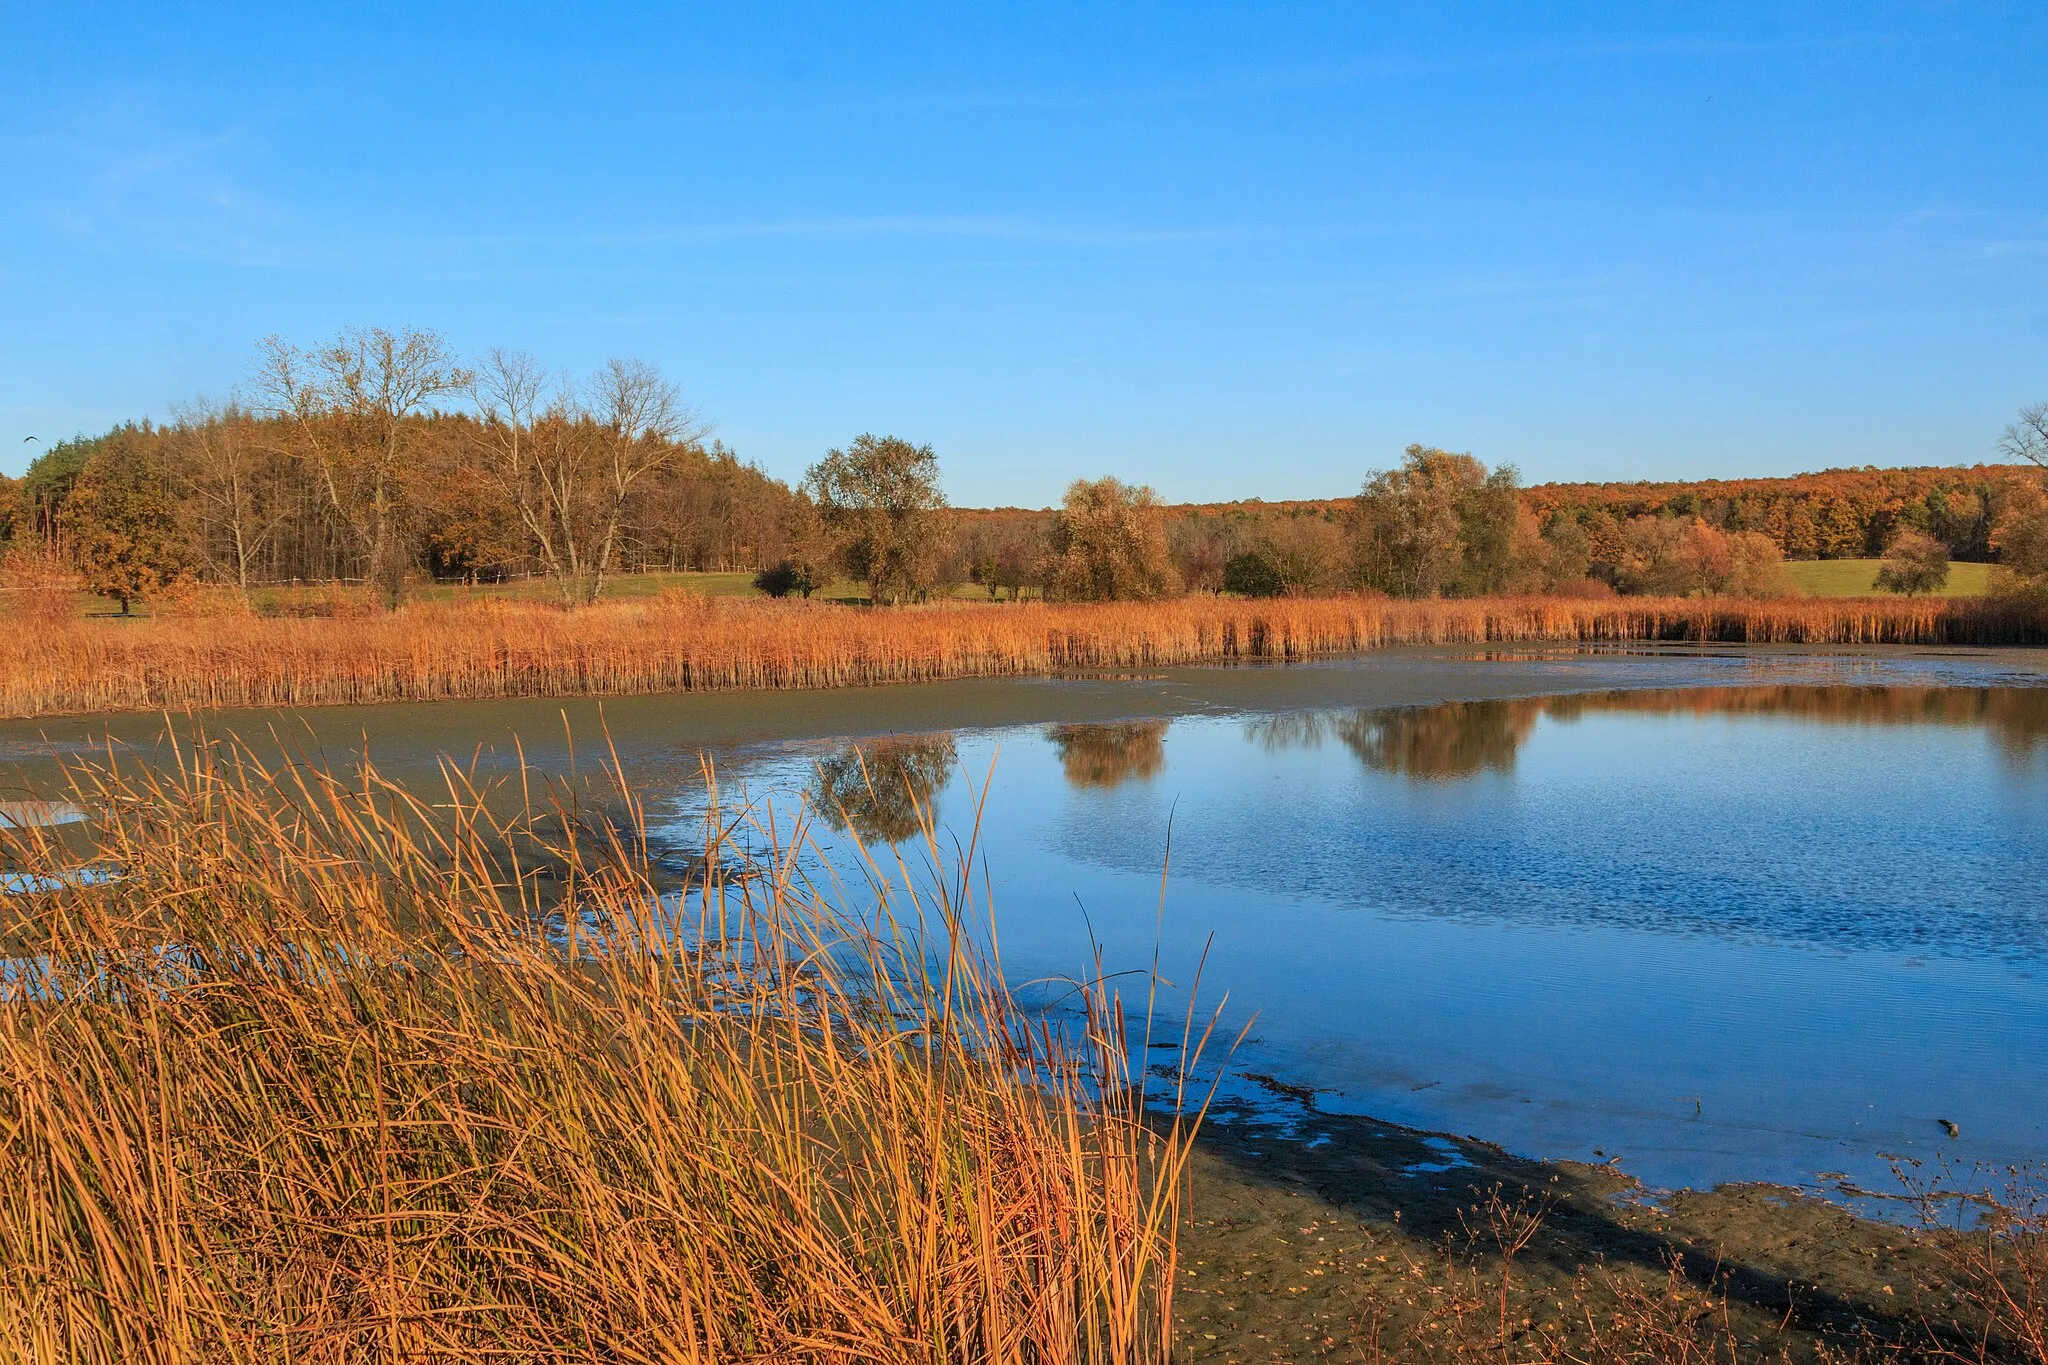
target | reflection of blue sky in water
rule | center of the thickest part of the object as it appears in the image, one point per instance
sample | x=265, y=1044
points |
x=29, y=814
x=1724, y=940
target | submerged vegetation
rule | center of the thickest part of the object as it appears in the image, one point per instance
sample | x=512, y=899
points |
x=325, y=1073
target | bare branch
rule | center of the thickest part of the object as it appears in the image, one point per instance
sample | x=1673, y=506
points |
x=2027, y=438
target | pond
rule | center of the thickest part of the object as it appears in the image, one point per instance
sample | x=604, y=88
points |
x=1722, y=916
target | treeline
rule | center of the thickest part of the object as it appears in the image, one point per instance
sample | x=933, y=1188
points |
x=1835, y=514
x=224, y=485
x=382, y=458
x=1442, y=524
x=379, y=458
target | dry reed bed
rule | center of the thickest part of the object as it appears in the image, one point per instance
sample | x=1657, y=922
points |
x=684, y=643
x=327, y=1076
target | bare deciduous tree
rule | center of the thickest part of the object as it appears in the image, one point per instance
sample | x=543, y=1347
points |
x=2027, y=437
x=644, y=426
x=352, y=402
x=511, y=396
x=228, y=478
x=569, y=461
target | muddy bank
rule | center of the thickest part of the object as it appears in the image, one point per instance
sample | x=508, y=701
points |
x=1345, y=1238
x=658, y=738
x=1285, y=1258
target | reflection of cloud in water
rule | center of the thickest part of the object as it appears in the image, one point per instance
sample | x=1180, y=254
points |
x=1458, y=739
x=881, y=789
x=1109, y=755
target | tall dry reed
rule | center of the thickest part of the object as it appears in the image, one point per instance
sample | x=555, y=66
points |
x=327, y=1073
x=38, y=592
x=681, y=643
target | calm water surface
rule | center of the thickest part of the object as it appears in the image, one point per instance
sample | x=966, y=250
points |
x=1748, y=932
x=1725, y=915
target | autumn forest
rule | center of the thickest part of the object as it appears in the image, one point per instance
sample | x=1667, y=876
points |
x=383, y=459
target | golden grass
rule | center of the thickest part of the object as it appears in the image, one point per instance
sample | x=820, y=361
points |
x=686, y=642
x=331, y=1075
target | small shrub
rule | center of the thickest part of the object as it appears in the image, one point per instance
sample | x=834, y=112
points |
x=1585, y=590
x=1253, y=575
x=780, y=580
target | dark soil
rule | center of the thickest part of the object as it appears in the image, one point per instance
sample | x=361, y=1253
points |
x=1364, y=1247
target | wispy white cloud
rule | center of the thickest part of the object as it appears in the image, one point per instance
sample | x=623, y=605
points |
x=127, y=159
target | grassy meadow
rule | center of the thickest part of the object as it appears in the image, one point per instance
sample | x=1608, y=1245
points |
x=272, y=600
x=1858, y=578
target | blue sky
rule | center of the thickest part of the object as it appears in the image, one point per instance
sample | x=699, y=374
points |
x=1227, y=250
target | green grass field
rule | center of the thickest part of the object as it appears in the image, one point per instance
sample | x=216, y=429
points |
x=1813, y=577
x=622, y=588
x=652, y=584
x=1858, y=578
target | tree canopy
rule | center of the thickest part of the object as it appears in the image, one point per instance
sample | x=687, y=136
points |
x=879, y=499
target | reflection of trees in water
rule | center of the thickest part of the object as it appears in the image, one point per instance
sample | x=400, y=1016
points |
x=877, y=788
x=1456, y=739
x=2019, y=718
x=1106, y=755
x=1293, y=730
x=1435, y=742
x=2016, y=717
x=1451, y=740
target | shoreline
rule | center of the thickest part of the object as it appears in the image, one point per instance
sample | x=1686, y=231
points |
x=1311, y=1248
x=1792, y=1268
x=1392, y=676
x=690, y=644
